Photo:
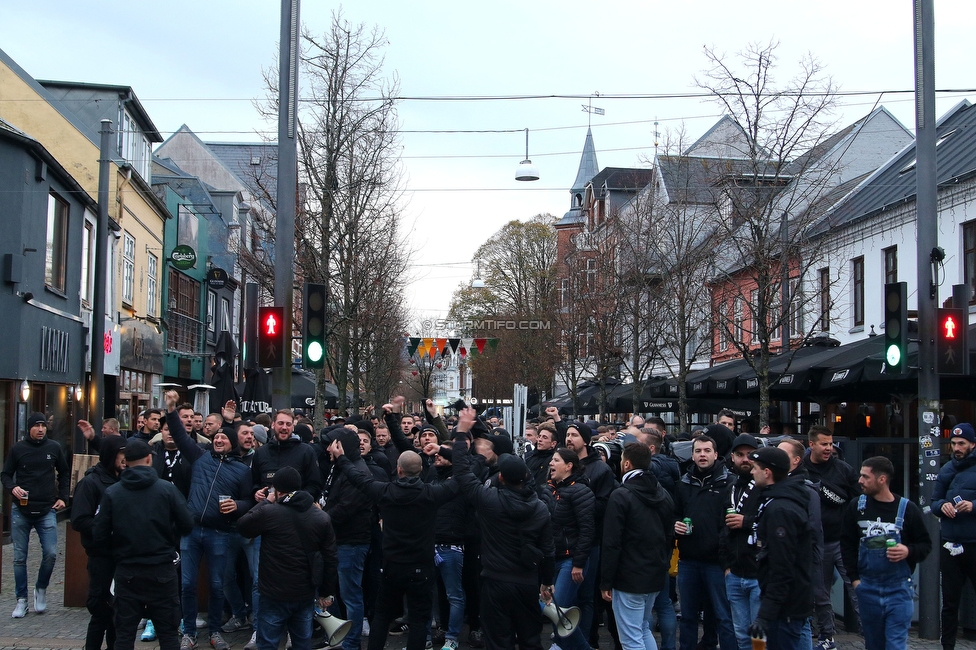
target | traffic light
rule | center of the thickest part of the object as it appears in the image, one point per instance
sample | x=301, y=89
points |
x=313, y=327
x=951, y=344
x=896, y=326
x=271, y=337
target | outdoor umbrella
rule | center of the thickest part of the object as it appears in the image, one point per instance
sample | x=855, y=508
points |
x=222, y=373
x=256, y=396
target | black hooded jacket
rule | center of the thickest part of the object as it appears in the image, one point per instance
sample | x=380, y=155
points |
x=602, y=481
x=515, y=528
x=573, y=508
x=292, y=452
x=89, y=491
x=838, y=485
x=737, y=554
x=638, y=535
x=141, y=518
x=703, y=497
x=292, y=530
x=35, y=464
x=454, y=518
x=349, y=508
x=537, y=461
x=785, y=548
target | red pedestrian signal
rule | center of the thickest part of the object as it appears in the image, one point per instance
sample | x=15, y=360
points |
x=271, y=337
x=952, y=349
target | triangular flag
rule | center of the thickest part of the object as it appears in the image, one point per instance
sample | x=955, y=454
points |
x=454, y=343
x=415, y=341
x=480, y=344
x=462, y=351
x=421, y=352
x=412, y=346
x=492, y=344
x=468, y=344
x=445, y=349
x=440, y=343
x=428, y=343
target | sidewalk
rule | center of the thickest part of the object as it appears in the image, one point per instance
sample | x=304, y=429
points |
x=64, y=627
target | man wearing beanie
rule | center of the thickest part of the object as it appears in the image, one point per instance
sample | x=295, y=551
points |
x=952, y=502
x=220, y=490
x=785, y=548
x=140, y=519
x=603, y=482
x=101, y=566
x=29, y=473
x=295, y=535
x=408, y=507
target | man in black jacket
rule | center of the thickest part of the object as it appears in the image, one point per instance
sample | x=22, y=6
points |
x=140, y=518
x=517, y=554
x=408, y=507
x=785, y=545
x=702, y=495
x=29, y=473
x=352, y=516
x=101, y=566
x=285, y=450
x=295, y=534
x=538, y=459
x=737, y=553
x=838, y=486
x=637, y=542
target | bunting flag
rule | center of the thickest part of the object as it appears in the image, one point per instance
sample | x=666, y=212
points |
x=445, y=349
x=492, y=344
x=480, y=344
x=468, y=345
x=428, y=343
x=421, y=352
x=462, y=351
x=439, y=345
x=412, y=345
x=455, y=344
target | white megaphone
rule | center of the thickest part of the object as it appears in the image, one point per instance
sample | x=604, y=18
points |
x=564, y=621
x=335, y=628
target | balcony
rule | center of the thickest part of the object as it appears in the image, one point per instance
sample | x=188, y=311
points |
x=185, y=334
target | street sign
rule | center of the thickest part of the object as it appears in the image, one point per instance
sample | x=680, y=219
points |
x=951, y=345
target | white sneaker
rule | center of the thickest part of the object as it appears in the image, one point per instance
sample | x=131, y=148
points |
x=40, y=600
x=253, y=643
x=20, y=611
x=288, y=641
x=365, y=627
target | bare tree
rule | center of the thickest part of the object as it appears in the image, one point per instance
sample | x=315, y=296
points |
x=770, y=191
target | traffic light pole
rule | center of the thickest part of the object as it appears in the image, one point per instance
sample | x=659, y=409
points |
x=928, y=240
x=287, y=190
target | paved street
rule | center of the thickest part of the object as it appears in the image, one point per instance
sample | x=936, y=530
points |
x=64, y=627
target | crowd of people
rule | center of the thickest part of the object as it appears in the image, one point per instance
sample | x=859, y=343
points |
x=419, y=525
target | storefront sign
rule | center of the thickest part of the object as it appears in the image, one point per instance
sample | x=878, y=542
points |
x=184, y=257
x=216, y=278
x=54, y=350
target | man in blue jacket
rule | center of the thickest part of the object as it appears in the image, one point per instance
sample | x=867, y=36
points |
x=952, y=501
x=220, y=491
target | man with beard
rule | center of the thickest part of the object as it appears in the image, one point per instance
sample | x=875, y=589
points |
x=703, y=494
x=738, y=554
x=101, y=566
x=285, y=450
x=838, y=485
x=952, y=502
x=150, y=426
x=884, y=538
x=784, y=544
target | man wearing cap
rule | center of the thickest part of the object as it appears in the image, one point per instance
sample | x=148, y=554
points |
x=140, y=518
x=784, y=545
x=220, y=491
x=883, y=539
x=295, y=535
x=738, y=555
x=37, y=473
x=101, y=566
x=952, y=502
x=408, y=508
x=702, y=495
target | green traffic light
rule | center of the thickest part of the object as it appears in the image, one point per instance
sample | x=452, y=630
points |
x=893, y=355
x=314, y=351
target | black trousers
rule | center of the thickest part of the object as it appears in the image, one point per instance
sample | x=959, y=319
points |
x=147, y=591
x=956, y=569
x=471, y=581
x=510, y=615
x=101, y=571
x=401, y=580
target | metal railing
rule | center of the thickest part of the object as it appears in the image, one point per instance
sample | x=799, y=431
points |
x=185, y=334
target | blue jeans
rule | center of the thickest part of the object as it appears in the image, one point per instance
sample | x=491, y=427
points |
x=278, y=617
x=634, y=613
x=232, y=593
x=786, y=635
x=47, y=533
x=743, y=595
x=696, y=582
x=212, y=543
x=352, y=559
x=567, y=594
x=886, y=612
x=667, y=620
x=450, y=569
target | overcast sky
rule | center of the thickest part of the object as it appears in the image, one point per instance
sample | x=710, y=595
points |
x=200, y=63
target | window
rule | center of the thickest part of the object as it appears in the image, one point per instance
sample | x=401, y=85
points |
x=128, y=267
x=969, y=257
x=224, y=315
x=185, y=329
x=890, y=264
x=151, y=296
x=857, y=274
x=564, y=293
x=134, y=146
x=775, y=312
x=738, y=316
x=211, y=311
x=56, y=251
x=87, y=262
x=824, y=290
x=591, y=274
x=796, y=309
